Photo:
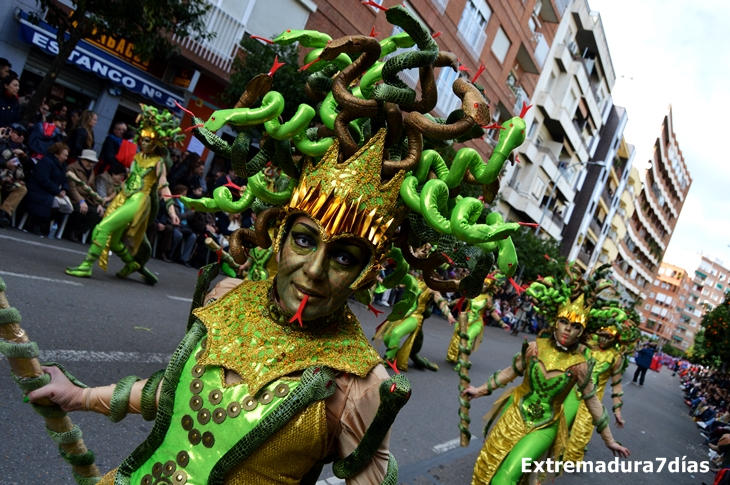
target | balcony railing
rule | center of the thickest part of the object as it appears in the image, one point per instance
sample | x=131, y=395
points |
x=221, y=49
x=596, y=226
x=584, y=257
x=440, y=5
x=541, y=49
x=607, y=195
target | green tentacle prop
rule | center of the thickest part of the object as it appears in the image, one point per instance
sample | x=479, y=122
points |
x=27, y=373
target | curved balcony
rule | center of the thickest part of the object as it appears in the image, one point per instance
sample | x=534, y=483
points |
x=650, y=229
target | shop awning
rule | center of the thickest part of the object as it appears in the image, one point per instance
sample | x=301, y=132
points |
x=92, y=59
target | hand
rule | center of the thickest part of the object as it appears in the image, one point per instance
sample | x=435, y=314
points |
x=618, y=450
x=211, y=229
x=60, y=391
x=100, y=210
x=451, y=319
x=619, y=420
x=83, y=208
x=470, y=393
x=160, y=226
x=18, y=152
x=174, y=219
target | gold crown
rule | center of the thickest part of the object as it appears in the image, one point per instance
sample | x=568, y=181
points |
x=349, y=199
x=574, y=311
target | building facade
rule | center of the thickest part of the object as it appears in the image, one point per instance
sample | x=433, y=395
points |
x=511, y=40
x=649, y=229
x=103, y=74
x=665, y=305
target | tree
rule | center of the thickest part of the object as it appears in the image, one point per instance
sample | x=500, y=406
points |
x=712, y=344
x=288, y=81
x=149, y=24
x=537, y=257
x=671, y=350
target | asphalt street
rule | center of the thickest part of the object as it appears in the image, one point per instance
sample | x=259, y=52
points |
x=105, y=328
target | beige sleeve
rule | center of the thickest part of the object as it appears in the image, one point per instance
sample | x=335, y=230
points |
x=223, y=287
x=98, y=399
x=508, y=374
x=596, y=409
x=350, y=411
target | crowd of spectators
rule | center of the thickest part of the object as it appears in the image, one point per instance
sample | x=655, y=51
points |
x=706, y=395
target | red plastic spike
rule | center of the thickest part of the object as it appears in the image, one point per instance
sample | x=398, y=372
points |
x=220, y=254
x=517, y=287
x=374, y=310
x=436, y=34
x=393, y=365
x=373, y=33
x=460, y=303
x=171, y=196
x=276, y=66
x=547, y=256
x=525, y=108
x=370, y=3
x=517, y=158
x=263, y=39
x=464, y=68
x=298, y=315
x=478, y=73
x=528, y=224
x=540, y=278
x=490, y=276
x=186, y=110
x=231, y=184
x=451, y=261
x=307, y=66
x=190, y=128
x=494, y=126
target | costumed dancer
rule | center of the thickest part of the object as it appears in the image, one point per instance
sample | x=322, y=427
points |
x=477, y=310
x=411, y=326
x=607, y=344
x=275, y=376
x=122, y=230
x=530, y=416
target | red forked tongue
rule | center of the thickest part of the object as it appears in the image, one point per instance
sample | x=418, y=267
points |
x=460, y=303
x=378, y=327
x=374, y=310
x=298, y=315
x=393, y=365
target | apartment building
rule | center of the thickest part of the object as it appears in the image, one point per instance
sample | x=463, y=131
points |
x=104, y=75
x=650, y=227
x=572, y=104
x=511, y=39
x=596, y=224
x=665, y=305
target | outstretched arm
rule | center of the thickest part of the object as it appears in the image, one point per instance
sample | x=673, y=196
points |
x=97, y=399
x=505, y=376
x=164, y=189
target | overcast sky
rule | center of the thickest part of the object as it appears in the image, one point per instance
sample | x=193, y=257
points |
x=678, y=52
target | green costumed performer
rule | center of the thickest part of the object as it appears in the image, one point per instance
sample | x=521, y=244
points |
x=275, y=377
x=122, y=230
x=411, y=325
x=607, y=343
x=477, y=309
x=530, y=416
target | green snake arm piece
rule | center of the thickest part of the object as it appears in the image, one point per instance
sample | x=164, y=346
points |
x=464, y=226
x=434, y=198
x=340, y=62
x=306, y=38
x=394, y=394
x=312, y=148
x=296, y=124
x=272, y=102
x=257, y=185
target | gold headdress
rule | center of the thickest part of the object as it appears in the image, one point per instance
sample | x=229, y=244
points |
x=349, y=200
x=574, y=311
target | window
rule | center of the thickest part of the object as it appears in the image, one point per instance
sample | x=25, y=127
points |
x=501, y=45
x=533, y=129
x=647, y=307
x=661, y=297
x=669, y=300
x=538, y=186
x=651, y=294
x=714, y=297
x=656, y=310
x=473, y=24
x=440, y=5
x=718, y=286
x=447, y=101
x=379, y=2
x=662, y=271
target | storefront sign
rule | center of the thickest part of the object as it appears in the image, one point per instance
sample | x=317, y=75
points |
x=92, y=59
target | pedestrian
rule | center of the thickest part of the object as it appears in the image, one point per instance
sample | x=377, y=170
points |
x=46, y=185
x=82, y=138
x=87, y=209
x=5, y=67
x=643, y=362
x=12, y=188
x=110, y=147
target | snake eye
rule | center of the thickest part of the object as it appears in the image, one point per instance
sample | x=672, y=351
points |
x=476, y=105
x=212, y=118
x=288, y=30
x=392, y=387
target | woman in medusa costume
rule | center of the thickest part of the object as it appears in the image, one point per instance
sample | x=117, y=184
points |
x=530, y=417
x=477, y=309
x=122, y=230
x=609, y=334
x=275, y=377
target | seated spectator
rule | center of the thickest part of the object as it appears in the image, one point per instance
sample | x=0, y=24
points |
x=9, y=105
x=46, y=183
x=13, y=147
x=12, y=188
x=196, y=178
x=45, y=134
x=73, y=120
x=178, y=173
x=82, y=137
x=110, y=147
x=161, y=229
x=182, y=233
x=87, y=212
x=109, y=183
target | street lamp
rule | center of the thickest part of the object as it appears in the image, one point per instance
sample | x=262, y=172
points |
x=555, y=187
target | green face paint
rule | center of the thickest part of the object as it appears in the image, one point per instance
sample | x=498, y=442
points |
x=324, y=275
